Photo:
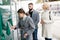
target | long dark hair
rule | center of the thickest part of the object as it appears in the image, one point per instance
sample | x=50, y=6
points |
x=21, y=11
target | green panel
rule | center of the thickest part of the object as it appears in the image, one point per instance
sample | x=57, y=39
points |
x=5, y=23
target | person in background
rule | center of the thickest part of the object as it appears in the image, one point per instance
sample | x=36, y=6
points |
x=46, y=21
x=35, y=16
x=26, y=25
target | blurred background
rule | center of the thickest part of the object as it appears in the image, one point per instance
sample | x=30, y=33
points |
x=9, y=11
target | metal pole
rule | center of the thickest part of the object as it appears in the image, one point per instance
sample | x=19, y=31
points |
x=12, y=32
x=16, y=19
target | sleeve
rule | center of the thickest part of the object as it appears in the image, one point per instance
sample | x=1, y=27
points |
x=37, y=18
x=42, y=20
x=41, y=15
x=32, y=26
x=17, y=26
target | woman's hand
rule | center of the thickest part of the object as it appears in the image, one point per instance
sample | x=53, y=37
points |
x=42, y=21
x=13, y=27
x=25, y=35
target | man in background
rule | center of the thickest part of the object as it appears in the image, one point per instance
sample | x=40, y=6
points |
x=35, y=16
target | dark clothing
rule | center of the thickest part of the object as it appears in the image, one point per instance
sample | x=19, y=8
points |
x=30, y=12
x=35, y=34
x=48, y=39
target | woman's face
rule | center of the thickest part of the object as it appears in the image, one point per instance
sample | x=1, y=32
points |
x=45, y=7
x=21, y=15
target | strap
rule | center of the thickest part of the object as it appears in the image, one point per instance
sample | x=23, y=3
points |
x=49, y=15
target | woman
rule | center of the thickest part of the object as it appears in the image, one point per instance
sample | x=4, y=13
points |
x=46, y=21
x=26, y=25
